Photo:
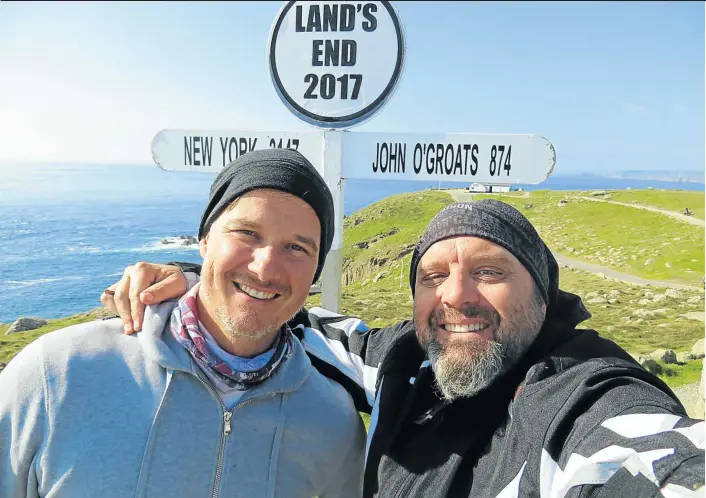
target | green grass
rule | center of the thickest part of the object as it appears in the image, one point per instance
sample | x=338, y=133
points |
x=366, y=420
x=634, y=241
x=671, y=200
x=635, y=322
x=12, y=344
x=679, y=375
x=381, y=303
x=387, y=230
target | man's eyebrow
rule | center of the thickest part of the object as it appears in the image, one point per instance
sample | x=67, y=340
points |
x=494, y=258
x=307, y=241
x=242, y=222
x=480, y=259
x=421, y=267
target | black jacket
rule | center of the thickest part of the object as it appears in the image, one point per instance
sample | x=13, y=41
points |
x=577, y=417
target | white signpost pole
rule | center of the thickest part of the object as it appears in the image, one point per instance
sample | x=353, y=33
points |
x=332, y=158
x=335, y=65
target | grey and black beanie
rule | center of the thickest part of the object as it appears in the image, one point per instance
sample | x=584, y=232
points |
x=492, y=220
x=505, y=226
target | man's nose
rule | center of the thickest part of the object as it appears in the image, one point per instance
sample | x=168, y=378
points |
x=459, y=290
x=264, y=263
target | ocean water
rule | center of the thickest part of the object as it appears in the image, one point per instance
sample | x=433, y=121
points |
x=67, y=232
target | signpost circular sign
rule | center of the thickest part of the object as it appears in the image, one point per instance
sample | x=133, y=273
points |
x=335, y=64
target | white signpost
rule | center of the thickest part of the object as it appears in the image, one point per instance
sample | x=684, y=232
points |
x=455, y=157
x=335, y=64
x=210, y=151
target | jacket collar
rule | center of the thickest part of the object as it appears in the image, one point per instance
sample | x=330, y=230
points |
x=160, y=346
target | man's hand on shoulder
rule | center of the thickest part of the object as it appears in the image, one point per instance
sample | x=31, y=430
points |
x=143, y=284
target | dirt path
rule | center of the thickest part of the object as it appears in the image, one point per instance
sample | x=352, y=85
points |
x=623, y=277
x=463, y=196
x=679, y=216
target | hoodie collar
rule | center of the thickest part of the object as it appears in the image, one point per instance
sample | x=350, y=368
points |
x=160, y=346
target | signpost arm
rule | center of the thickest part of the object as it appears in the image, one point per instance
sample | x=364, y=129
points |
x=331, y=274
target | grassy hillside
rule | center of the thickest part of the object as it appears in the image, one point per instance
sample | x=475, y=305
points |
x=386, y=231
x=379, y=239
x=635, y=241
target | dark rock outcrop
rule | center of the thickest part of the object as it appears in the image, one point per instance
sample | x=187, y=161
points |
x=24, y=324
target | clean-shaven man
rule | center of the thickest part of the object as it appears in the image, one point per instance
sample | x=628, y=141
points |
x=216, y=395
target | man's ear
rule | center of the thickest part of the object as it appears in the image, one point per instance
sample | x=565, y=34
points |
x=203, y=245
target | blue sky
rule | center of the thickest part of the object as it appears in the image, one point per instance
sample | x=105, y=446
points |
x=613, y=85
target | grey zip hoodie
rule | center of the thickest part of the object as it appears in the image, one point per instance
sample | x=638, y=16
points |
x=88, y=411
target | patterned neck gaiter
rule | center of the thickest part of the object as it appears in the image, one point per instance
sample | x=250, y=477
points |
x=184, y=326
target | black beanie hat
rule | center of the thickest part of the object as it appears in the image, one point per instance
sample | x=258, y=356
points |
x=279, y=169
x=492, y=220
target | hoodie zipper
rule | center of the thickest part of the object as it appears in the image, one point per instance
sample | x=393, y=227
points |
x=227, y=415
x=227, y=429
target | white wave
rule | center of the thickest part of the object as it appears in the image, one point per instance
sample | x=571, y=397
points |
x=154, y=246
x=18, y=284
x=86, y=249
x=173, y=244
x=164, y=247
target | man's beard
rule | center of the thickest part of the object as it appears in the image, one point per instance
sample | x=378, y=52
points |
x=242, y=328
x=466, y=366
x=248, y=325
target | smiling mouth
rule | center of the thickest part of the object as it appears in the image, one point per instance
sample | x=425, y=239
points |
x=255, y=294
x=474, y=327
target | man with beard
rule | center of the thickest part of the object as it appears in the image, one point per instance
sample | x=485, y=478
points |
x=214, y=396
x=491, y=390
